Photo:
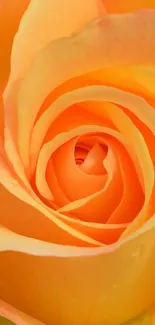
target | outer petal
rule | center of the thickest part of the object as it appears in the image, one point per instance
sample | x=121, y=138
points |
x=50, y=20
x=105, y=288
x=104, y=42
x=122, y=6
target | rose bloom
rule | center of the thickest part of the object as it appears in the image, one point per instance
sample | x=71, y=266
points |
x=77, y=162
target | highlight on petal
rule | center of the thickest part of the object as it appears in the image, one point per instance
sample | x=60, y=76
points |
x=52, y=20
x=16, y=316
x=121, y=6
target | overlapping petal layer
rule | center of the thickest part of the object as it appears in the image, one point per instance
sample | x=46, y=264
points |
x=125, y=274
x=48, y=116
x=68, y=170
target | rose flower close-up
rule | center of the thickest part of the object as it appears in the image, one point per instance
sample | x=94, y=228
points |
x=77, y=162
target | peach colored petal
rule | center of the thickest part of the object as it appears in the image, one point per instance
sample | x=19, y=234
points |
x=55, y=192
x=48, y=149
x=133, y=196
x=52, y=20
x=79, y=184
x=133, y=103
x=18, y=216
x=145, y=76
x=16, y=316
x=122, y=6
x=92, y=209
x=52, y=231
x=52, y=217
x=122, y=275
x=13, y=185
x=76, y=96
x=95, y=207
x=41, y=227
x=93, y=162
x=136, y=79
x=102, y=36
x=58, y=118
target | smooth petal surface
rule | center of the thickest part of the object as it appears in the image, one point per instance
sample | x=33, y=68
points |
x=51, y=20
x=45, y=66
x=49, y=225
x=100, y=43
x=80, y=289
x=14, y=186
x=121, y=6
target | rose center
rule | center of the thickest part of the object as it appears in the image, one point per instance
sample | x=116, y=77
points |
x=89, y=158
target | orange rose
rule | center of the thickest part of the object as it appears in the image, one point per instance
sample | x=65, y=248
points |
x=77, y=222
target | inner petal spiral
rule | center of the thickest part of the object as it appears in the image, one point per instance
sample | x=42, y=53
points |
x=92, y=173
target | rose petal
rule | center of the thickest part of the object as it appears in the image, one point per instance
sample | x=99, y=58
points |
x=133, y=196
x=52, y=229
x=58, y=118
x=48, y=149
x=16, y=316
x=131, y=30
x=125, y=103
x=76, y=96
x=125, y=275
x=136, y=79
x=123, y=123
x=66, y=168
x=95, y=207
x=52, y=20
x=13, y=185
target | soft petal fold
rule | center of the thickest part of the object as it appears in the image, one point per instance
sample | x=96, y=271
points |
x=105, y=42
x=11, y=182
x=51, y=20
